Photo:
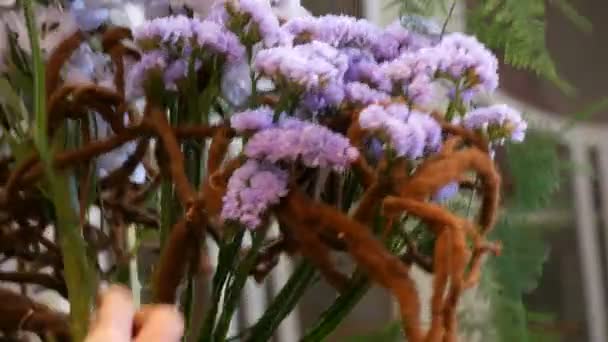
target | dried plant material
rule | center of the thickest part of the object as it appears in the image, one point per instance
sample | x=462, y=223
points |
x=19, y=313
x=380, y=264
x=58, y=58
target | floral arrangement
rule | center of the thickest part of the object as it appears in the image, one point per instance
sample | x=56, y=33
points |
x=349, y=137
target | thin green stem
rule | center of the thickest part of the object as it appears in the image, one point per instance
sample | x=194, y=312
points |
x=233, y=295
x=284, y=303
x=447, y=19
x=40, y=127
x=79, y=277
x=341, y=307
x=226, y=261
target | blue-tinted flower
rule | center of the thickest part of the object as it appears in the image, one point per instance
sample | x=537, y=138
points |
x=252, y=120
x=252, y=189
x=447, y=192
x=89, y=18
x=498, y=121
x=311, y=144
x=236, y=83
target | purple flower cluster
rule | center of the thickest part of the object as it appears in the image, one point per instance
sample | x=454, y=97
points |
x=252, y=189
x=362, y=94
x=252, y=120
x=462, y=56
x=499, y=122
x=311, y=144
x=412, y=75
x=411, y=133
x=339, y=31
x=170, y=42
x=254, y=18
x=308, y=67
x=186, y=34
x=396, y=40
x=154, y=61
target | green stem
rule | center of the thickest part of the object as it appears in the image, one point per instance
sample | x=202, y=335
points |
x=40, y=128
x=226, y=261
x=284, y=303
x=233, y=295
x=336, y=313
x=79, y=277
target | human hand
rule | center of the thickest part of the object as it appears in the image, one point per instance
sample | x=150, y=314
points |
x=117, y=320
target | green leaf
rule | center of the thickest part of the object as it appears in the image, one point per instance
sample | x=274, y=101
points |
x=283, y=303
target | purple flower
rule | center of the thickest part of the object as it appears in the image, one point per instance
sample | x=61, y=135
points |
x=419, y=92
x=260, y=21
x=182, y=34
x=154, y=61
x=339, y=31
x=89, y=19
x=499, y=122
x=410, y=133
x=214, y=38
x=309, y=67
x=330, y=96
x=412, y=74
x=431, y=128
x=462, y=56
x=252, y=189
x=363, y=95
x=176, y=71
x=373, y=117
x=314, y=145
x=168, y=30
x=396, y=40
x=252, y=120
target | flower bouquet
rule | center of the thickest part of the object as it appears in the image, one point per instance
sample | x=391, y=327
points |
x=342, y=136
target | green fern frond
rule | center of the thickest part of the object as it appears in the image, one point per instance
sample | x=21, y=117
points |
x=516, y=28
x=535, y=168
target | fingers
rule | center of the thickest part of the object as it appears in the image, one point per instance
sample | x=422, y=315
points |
x=114, y=317
x=159, y=323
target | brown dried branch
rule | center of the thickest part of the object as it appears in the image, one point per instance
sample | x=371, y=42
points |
x=380, y=264
x=311, y=247
x=57, y=59
x=184, y=189
x=18, y=312
x=41, y=279
x=219, y=148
